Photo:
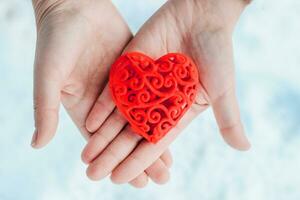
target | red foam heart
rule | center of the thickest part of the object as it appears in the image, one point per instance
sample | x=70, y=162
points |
x=153, y=95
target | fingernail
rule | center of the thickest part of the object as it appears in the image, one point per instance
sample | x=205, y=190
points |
x=34, y=137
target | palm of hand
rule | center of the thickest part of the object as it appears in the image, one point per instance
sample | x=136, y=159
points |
x=86, y=65
x=177, y=27
x=75, y=49
x=183, y=27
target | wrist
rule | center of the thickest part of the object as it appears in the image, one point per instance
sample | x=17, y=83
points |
x=222, y=14
x=43, y=7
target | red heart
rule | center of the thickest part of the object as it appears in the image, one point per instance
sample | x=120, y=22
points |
x=153, y=95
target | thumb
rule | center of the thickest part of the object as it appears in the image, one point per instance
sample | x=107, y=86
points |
x=54, y=61
x=227, y=114
x=222, y=88
x=47, y=87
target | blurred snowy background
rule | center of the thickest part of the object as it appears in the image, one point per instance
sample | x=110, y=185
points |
x=267, y=49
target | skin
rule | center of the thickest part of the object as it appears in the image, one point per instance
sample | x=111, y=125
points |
x=201, y=29
x=77, y=41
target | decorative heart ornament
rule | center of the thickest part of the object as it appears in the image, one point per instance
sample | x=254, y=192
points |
x=153, y=95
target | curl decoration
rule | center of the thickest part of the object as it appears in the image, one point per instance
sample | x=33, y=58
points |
x=153, y=95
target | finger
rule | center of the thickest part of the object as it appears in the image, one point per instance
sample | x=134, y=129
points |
x=141, y=181
x=146, y=153
x=50, y=72
x=46, y=106
x=100, y=111
x=47, y=86
x=158, y=172
x=117, y=151
x=167, y=159
x=108, y=131
x=227, y=114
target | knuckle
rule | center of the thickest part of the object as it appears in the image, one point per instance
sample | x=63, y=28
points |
x=231, y=126
x=103, y=106
x=102, y=141
x=138, y=161
x=113, y=155
x=128, y=134
x=118, y=117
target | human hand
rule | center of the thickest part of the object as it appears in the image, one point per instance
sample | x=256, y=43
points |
x=201, y=29
x=77, y=41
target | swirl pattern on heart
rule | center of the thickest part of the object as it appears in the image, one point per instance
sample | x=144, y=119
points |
x=153, y=95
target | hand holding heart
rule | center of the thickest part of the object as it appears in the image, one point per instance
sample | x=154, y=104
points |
x=77, y=42
x=200, y=29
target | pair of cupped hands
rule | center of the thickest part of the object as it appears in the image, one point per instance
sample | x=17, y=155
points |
x=78, y=41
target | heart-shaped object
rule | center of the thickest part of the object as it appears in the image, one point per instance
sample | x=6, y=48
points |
x=153, y=95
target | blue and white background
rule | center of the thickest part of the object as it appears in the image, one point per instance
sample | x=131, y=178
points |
x=267, y=52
